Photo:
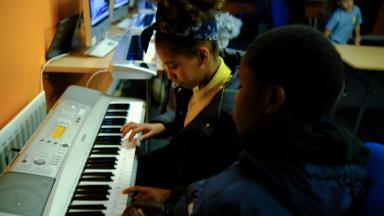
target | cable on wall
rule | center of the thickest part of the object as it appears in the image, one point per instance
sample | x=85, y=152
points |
x=43, y=68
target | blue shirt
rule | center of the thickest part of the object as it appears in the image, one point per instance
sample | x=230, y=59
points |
x=342, y=23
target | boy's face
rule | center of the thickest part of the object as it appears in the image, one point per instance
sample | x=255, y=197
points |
x=184, y=70
x=249, y=107
x=346, y=5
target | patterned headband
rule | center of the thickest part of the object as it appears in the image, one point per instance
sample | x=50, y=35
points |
x=206, y=30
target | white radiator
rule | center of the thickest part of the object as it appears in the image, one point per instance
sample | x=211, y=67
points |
x=17, y=132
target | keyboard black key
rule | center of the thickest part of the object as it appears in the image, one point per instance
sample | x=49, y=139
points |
x=111, y=138
x=116, y=114
x=106, y=142
x=88, y=207
x=99, y=166
x=91, y=193
x=93, y=190
x=105, y=152
x=102, y=190
x=90, y=197
x=114, y=121
x=110, y=163
x=96, y=179
x=101, y=160
x=124, y=106
x=109, y=130
x=97, y=174
x=80, y=191
x=94, y=187
x=86, y=213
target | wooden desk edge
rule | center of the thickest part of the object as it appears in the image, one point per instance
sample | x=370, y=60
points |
x=360, y=53
x=75, y=63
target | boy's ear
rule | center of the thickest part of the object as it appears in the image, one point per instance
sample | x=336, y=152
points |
x=275, y=99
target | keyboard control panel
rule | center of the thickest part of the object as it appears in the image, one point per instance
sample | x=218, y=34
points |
x=53, y=143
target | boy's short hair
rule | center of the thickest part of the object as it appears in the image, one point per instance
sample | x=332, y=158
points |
x=305, y=63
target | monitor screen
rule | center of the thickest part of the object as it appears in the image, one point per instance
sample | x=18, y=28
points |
x=142, y=20
x=119, y=3
x=146, y=13
x=96, y=20
x=99, y=10
x=145, y=5
x=119, y=10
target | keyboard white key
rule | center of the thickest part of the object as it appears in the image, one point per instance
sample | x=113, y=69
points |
x=122, y=179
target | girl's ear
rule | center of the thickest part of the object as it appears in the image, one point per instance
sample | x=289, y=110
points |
x=275, y=99
x=203, y=55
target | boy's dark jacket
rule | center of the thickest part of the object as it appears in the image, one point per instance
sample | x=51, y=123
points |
x=315, y=172
x=207, y=145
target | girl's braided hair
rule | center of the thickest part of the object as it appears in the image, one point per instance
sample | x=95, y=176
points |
x=179, y=15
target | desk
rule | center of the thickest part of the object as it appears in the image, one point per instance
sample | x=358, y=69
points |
x=369, y=59
x=75, y=68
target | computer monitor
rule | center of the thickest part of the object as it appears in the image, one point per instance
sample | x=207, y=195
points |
x=119, y=9
x=142, y=20
x=145, y=15
x=143, y=5
x=96, y=20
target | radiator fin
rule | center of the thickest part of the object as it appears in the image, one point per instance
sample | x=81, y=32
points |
x=18, y=131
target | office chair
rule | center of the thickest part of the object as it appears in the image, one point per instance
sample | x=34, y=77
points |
x=374, y=202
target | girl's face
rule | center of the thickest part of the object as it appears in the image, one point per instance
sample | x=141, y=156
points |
x=184, y=70
x=346, y=5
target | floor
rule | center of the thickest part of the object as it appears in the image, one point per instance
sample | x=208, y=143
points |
x=371, y=127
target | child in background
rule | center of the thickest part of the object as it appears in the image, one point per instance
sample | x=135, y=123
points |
x=344, y=20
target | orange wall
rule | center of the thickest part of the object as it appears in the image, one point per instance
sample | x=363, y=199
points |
x=27, y=28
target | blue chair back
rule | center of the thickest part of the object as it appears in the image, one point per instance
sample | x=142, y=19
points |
x=279, y=12
x=374, y=202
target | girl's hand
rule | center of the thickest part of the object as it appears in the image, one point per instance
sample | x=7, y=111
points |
x=148, y=130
